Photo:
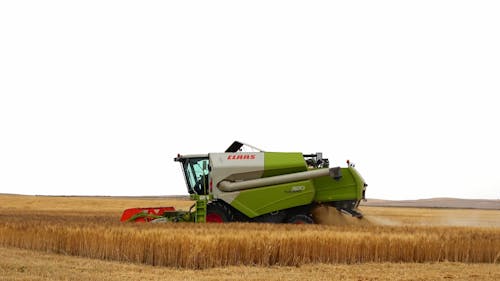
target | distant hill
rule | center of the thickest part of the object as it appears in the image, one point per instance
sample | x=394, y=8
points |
x=485, y=204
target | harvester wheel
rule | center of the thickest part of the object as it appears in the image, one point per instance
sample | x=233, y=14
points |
x=301, y=219
x=218, y=212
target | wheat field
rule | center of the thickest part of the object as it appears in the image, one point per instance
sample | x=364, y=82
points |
x=19, y=264
x=89, y=228
x=197, y=246
x=87, y=232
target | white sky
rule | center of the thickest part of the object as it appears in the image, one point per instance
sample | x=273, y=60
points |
x=97, y=97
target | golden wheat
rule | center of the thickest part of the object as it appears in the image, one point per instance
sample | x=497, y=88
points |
x=50, y=225
x=206, y=245
x=19, y=264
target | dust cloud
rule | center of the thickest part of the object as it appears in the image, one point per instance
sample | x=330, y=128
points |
x=409, y=216
x=375, y=220
x=331, y=216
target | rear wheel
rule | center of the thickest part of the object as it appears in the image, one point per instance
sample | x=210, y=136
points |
x=218, y=212
x=301, y=219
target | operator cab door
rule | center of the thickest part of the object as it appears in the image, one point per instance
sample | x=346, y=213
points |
x=196, y=174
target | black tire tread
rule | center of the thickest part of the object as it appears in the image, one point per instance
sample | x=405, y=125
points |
x=306, y=219
x=221, y=209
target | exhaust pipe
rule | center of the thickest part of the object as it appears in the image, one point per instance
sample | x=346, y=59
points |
x=227, y=186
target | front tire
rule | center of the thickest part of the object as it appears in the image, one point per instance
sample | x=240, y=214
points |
x=218, y=212
x=301, y=219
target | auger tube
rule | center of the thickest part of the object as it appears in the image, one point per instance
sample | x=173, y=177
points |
x=228, y=186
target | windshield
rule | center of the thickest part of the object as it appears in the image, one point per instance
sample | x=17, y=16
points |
x=196, y=176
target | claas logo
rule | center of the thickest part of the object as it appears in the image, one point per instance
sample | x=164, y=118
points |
x=241, y=157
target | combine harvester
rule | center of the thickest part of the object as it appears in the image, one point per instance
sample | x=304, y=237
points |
x=259, y=186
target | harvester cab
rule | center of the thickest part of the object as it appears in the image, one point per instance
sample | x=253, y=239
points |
x=196, y=170
x=196, y=167
x=245, y=183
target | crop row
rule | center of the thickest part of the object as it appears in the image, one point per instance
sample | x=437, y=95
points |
x=212, y=245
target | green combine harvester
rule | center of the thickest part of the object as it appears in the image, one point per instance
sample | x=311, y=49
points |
x=250, y=185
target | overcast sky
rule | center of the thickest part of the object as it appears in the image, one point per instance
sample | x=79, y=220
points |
x=98, y=97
